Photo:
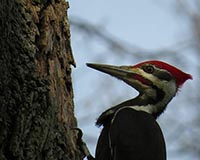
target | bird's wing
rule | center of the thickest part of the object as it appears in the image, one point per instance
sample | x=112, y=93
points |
x=135, y=135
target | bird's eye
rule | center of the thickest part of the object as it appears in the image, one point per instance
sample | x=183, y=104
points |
x=148, y=69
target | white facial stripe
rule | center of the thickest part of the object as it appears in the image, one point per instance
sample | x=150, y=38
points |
x=160, y=106
x=168, y=87
x=149, y=76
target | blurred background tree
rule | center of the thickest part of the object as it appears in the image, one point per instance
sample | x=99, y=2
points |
x=128, y=33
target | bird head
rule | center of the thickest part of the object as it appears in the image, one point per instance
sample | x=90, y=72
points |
x=152, y=79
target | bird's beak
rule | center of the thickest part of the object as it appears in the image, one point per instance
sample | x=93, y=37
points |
x=128, y=74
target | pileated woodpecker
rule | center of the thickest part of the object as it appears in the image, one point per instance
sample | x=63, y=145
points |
x=130, y=130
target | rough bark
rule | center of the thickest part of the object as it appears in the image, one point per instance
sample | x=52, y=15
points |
x=36, y=96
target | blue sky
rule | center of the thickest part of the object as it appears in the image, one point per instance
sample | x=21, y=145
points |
x=149, y=24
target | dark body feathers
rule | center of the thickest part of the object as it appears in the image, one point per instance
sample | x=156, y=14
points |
x=131, y=135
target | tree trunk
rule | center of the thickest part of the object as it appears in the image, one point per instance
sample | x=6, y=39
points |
x=36, y=96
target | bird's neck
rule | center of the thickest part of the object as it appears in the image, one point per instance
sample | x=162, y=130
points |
x=152, y=106
x=143, y=102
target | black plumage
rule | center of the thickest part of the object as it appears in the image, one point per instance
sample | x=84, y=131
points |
x=131, y=135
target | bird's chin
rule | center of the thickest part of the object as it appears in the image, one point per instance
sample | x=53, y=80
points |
x=137, y=85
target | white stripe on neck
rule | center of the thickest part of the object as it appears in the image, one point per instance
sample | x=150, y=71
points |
x=149, y=108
